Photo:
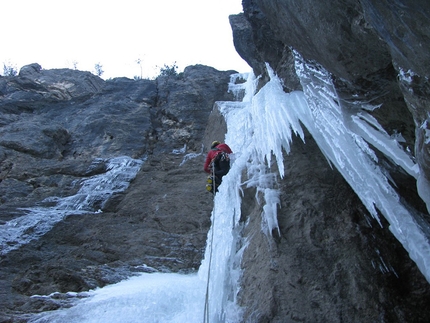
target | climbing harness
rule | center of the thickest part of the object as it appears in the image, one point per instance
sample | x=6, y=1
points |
x=206, y=311
x=210, y=184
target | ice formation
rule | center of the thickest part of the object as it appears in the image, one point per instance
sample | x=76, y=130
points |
x=258, y=143
x=94, y=191
x=341, y=134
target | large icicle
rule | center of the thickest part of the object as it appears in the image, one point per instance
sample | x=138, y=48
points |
x=340, y=136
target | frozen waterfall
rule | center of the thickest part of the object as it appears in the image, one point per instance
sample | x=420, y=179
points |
x=343, y=137
x=93, y=192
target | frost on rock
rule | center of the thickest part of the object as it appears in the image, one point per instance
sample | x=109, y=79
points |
x=91, y=197
x=189, y=156
x=425, y=126
x=180, y=151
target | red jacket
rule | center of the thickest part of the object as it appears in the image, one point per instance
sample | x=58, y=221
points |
x=213, y=152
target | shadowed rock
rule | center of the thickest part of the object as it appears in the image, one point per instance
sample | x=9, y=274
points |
x=60, y=127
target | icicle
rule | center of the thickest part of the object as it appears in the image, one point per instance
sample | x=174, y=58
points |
x=342, y=142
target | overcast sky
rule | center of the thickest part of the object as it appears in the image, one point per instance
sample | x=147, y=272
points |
x=58, y=34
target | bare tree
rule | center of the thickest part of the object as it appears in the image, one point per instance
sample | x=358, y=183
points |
x=99, y=69
x=139, y=62
x=9, y=70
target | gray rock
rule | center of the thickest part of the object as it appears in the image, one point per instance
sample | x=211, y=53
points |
x=330, y=262
x=364, y=45
x=59, y=127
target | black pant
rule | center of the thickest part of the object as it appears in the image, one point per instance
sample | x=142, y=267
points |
x=221, y=168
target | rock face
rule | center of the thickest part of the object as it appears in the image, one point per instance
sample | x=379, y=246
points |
x=376, y=52
x=331, y=263
x=58, y=127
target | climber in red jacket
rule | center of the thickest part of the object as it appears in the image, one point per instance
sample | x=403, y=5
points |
x=216, y=148
x=217, y=164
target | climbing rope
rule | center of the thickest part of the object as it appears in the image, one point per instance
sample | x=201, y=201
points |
x=206, y=312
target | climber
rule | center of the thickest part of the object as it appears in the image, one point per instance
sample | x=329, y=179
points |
x=217, y=163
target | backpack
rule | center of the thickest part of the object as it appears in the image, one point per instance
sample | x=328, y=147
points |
x=222, y=161
x=221, y=156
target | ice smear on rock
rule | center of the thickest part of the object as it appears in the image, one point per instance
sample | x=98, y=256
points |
x=91, y=197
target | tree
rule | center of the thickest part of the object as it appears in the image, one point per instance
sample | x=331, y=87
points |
x=99, y=69
x=167, y=70
x=139, y=62
x=9, y=70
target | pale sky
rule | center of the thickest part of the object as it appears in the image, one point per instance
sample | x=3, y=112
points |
x=59, y=33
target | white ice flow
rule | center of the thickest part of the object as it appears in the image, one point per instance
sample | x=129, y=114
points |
x=260, y=128
x=341, y=135
x=94, y=190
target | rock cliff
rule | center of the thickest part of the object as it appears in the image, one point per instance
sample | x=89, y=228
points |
x=61, y=127
x=331, y=262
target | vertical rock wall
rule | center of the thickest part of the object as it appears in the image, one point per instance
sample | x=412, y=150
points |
x=59, y=127
x=331, y=262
